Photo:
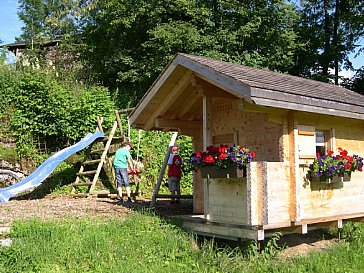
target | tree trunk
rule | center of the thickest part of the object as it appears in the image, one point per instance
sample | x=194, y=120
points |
x=327, y=35
x=335, y=48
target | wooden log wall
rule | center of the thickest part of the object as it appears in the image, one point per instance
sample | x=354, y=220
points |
x=226, y=200
x=232, y=124
x=276, y=191
x=279, y=191
x=319, y=200
x=261, y=199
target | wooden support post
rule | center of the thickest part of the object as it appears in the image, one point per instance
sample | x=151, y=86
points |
x=161, y=174
x=333, y=140
x=206, y=127
x=335, y=224
x=119, y=124
x=293, y=165
x=138, y=147
x=128, y=129
x=99, y=124
x=300, y=229
x=103, y=157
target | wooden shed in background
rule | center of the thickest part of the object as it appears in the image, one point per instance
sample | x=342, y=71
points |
x=277, y=116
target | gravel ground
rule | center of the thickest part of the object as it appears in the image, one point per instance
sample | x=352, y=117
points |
x=57, y=208
x=66, y=207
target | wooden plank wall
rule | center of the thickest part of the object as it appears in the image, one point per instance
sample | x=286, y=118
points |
x=276, y=194
x=255, y=193
x=232, y=124
x=262, y=133
x=226, y=200
x=319, y=200
x=285, y=196
x=260, y=199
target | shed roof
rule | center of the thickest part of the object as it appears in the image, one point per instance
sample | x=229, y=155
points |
x=257, y=86
x=23, y=44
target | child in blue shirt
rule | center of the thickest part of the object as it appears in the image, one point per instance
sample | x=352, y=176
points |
x=121, y=160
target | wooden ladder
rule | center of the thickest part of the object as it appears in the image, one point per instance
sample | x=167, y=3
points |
x=161, y=175
x=83, y=175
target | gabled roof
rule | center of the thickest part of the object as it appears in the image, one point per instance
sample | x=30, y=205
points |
x=24, y=44
x=269, y=80
x=257, y=86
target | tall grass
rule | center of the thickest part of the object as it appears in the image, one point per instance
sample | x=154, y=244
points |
x=145, y=243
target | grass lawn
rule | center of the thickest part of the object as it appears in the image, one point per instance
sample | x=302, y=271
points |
x=145, y=243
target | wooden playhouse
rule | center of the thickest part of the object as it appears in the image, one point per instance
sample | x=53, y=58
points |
x=283, y=119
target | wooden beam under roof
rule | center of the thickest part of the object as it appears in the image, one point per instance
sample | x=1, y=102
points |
x=211, y=90
x=194, y=94
x=169, y=99
x=177, y=124
x=152, y=91
x=233, y=86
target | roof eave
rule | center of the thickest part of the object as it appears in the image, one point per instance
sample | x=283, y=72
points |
x=227, y=83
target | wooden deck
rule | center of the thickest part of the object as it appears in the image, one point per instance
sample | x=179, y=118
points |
x=201, y=226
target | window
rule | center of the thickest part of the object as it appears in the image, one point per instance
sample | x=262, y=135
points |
x=320, y=142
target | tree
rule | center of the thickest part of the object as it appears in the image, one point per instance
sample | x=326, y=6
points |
x=49, y=18
x=52, y=21
x=357, y=82
x=129, y=42
x=330, y=30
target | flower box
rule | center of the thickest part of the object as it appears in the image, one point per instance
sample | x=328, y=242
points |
x=221, y=161
x=331, y=179
x=214, y=172
x=335, y=168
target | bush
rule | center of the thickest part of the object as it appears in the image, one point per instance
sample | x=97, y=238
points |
x=40, y=108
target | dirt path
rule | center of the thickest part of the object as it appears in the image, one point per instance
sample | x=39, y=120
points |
x=68, y=207
x=57, y=208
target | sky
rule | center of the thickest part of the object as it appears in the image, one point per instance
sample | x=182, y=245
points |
x=10, y=27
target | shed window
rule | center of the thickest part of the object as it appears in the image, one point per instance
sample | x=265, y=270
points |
x=320, y=143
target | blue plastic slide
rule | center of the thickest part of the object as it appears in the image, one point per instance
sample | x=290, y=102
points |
x=47, y=167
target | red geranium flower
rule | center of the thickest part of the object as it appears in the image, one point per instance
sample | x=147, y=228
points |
x=209, y=159
x=329, y=165
x=222, y=156
x=223, y=149
x=252, y=154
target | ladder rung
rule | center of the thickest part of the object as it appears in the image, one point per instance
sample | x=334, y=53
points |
x=82, y=184
x=113, y=139
x=86, y=173
x=117, y=140
x=90, y=162
x=97, y=151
